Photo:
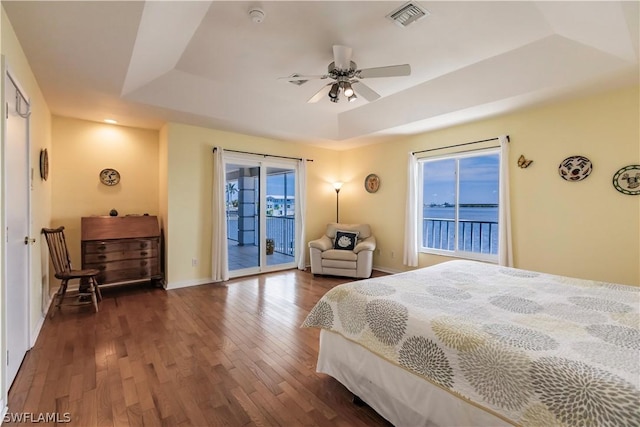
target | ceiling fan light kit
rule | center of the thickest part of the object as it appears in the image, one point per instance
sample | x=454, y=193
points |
x=347, y=77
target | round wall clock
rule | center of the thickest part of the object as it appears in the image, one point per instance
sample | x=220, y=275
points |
x=372, y=183
x=109, y=176
x=627, y=180
x=575, y=168
x=44, y=164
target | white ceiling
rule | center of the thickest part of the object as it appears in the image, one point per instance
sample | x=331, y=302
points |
x=207, y=64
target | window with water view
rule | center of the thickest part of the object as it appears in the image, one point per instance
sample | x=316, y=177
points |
x=460, y=196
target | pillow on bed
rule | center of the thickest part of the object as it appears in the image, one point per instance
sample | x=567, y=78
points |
x=345, y=240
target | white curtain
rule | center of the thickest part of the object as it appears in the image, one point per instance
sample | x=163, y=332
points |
x=504, y=216
x=301, y=209
x=410, y=257
x=219, y=250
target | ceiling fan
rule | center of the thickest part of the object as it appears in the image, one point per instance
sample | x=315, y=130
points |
x=346, y=77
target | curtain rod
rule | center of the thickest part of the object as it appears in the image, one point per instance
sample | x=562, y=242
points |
x=459, y=145
x=264, y=155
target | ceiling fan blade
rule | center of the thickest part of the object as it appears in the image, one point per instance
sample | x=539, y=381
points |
x=295, y=77
x=342, y=57
x=365, y=91
x=320, y=94
x=390, y=71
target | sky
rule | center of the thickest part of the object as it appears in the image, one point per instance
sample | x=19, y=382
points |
x=479, y=178
x=275, y=185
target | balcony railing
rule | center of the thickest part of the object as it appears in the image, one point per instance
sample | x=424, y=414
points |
x=282, y=229
x=473, y=236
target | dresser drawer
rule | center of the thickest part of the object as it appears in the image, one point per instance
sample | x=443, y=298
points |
x=127, y=274
x=117, y=271
x=126, y=264
x=101, y=247
x=91, y=258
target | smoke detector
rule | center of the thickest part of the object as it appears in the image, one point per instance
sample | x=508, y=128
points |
x=257, y=15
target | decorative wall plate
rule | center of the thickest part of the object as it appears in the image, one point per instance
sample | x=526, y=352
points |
x=372, y=183
x=627, y=180
x=44, y=164
x=109, y=176
x=575, y=168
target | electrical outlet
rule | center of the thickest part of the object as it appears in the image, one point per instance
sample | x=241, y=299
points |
x=393, y=254
x=378, y=251
x=194, y=262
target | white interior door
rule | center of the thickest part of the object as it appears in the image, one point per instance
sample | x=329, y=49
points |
x=17, y=219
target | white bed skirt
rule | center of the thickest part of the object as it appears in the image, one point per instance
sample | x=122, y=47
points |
x=402, y=398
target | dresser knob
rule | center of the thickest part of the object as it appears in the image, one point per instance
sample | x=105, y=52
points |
x=143, y=263
x=143, y=245
x=102, y=256
x=143, y=253
x=102, y=247
x=102, y=267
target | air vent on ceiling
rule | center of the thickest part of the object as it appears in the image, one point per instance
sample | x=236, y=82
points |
x=297, y=82
x=408, y=14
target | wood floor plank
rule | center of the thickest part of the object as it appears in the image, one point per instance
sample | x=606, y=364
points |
x=229, y=354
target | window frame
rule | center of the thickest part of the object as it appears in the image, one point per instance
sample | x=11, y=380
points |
x=456, y=253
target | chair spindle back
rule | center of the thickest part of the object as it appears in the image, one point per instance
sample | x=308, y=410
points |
x=58, y=249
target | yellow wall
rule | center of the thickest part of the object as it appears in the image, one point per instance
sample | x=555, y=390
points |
x=40, y=197
x=163, y=185
x=190, y=176
x=583, y=229
x=80, y=150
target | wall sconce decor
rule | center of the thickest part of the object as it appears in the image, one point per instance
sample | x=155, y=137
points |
x=372, y=183
x=627, y=180
x=44, y=164
x=523, y=163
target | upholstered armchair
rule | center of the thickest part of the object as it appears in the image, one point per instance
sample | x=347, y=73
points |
x=344, y=250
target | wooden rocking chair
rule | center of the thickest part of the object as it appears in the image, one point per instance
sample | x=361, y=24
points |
x=62, y=265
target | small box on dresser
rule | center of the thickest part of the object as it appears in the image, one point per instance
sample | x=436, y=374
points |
x=125, y=249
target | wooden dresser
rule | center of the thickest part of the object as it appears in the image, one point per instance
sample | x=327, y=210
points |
x=124, y=249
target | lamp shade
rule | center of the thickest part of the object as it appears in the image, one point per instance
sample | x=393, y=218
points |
x=337, y=185
x=348, y=90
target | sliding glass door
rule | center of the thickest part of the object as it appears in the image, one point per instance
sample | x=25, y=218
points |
x=260, y=211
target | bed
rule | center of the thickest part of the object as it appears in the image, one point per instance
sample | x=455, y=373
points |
x=470, y=343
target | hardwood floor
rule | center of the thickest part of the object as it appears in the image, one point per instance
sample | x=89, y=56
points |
x=228, y=354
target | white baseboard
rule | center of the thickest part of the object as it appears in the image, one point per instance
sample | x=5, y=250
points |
x=36, y=331
x=188, y=283
x=387, y=270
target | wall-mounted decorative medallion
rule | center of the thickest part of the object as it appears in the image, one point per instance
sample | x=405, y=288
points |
x=109, y=176
x=372, y=183
x=44, y=164
x=627, y=180
x=575, y=168
x=523, y=163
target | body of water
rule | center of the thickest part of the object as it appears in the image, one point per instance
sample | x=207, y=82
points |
x=466, y=213
x=477, y=229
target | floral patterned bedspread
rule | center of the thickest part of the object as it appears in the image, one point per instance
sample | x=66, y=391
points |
x=535, y=349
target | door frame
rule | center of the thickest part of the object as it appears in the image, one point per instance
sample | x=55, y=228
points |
x=263, y=163
x=8, y=74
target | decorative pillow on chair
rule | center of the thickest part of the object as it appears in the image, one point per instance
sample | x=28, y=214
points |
x=346, y=240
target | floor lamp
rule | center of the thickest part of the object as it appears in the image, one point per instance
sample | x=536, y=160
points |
x=337, y=186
